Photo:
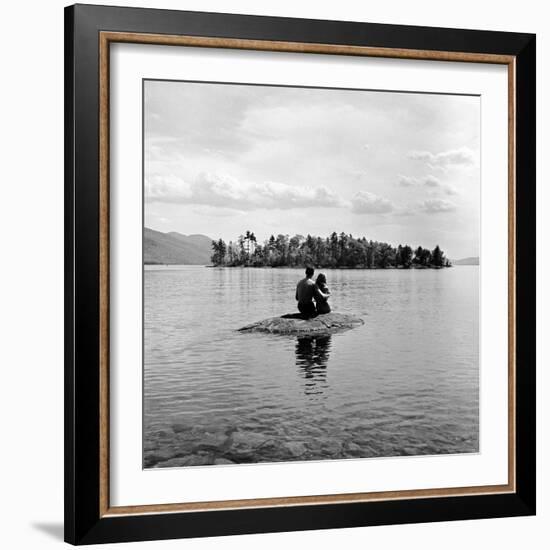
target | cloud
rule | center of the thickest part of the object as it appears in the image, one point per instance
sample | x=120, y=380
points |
x=224, y=191
x=406, y=181
x=435, y=184
x=368, y=203
x=435, y=206
x=409, y=181
x=431, y=181
x=462, y=157
x=450, y=190
x=427, y=181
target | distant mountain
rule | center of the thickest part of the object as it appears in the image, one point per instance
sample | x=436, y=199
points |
x=466, y=261
x=201, y=241
x=175, y=248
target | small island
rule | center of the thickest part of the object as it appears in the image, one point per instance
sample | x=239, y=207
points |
x=295, y=324
x=335, y=251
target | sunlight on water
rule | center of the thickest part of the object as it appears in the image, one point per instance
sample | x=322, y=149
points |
x=404, y=383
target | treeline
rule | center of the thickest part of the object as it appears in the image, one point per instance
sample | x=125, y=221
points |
x=334, y=251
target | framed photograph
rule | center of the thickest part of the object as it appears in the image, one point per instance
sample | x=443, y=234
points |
x=300, y=274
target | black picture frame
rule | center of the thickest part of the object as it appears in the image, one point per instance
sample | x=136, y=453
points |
x=84, y=523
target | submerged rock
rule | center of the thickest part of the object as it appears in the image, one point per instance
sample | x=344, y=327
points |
x=296, y=448
x=296, y=324
x=222, y=461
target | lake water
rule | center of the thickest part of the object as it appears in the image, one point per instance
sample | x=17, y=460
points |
x=404, y=383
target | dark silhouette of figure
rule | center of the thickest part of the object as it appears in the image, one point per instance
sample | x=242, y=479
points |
x=321, y=297
x=306, y=291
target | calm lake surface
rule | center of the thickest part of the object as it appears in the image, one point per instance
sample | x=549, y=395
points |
x=405, y=383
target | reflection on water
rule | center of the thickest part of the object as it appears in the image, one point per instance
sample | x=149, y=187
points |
x=312, y=356
x=404, y=383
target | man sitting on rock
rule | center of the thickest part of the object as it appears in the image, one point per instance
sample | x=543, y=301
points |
x=306, y=290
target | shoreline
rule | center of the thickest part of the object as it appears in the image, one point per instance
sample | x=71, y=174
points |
x=355, y=268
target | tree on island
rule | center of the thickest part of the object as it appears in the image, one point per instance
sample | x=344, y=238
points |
x=403, y=256
x=219, y=254
x=422, y=257
x=333, y=251
x=437, y=257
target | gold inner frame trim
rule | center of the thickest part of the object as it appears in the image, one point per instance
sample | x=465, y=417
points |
x=105, y=39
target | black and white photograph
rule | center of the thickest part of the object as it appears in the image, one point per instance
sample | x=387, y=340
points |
x=310, y=274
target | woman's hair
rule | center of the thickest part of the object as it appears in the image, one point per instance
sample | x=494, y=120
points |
x=321, y=279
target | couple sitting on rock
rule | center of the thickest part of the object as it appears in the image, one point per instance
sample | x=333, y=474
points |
x=307, y=290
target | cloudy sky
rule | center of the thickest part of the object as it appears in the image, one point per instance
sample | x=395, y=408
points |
x=395, y=167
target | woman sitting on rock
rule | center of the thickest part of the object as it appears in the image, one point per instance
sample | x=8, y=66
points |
x=321, y=297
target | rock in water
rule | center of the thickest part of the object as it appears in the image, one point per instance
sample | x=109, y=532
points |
x=296, y=324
